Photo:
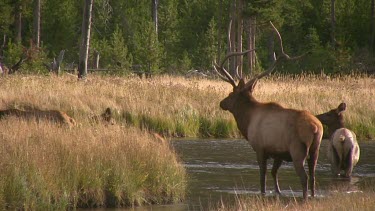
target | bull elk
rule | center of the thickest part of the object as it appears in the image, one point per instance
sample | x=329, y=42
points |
x=343, y=149
x=273, y=131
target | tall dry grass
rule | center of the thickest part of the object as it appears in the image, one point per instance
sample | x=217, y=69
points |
x=338, y=201
x=338, y=197
x=190, y=107
x=46, y=167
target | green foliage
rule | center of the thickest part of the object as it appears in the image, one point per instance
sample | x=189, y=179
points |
x=210, y=45
x=61, y=27
x=113, y=53
x=12, y=53
x=189, y=32
x=147, y=51
x=5, y=17
x=319, y=59
x=169, y=35
x=36, y=62
x=185, y=62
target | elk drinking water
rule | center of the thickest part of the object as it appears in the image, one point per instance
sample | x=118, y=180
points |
x=343, y=150
x=272, y=130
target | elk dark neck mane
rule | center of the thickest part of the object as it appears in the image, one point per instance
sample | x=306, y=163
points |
x=242, y=112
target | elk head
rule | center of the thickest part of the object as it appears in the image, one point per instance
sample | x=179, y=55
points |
x=333, y=119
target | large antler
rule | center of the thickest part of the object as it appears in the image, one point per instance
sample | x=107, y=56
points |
x=276, y=60
x=220, y=70
x=223, y=73
x=227, y=77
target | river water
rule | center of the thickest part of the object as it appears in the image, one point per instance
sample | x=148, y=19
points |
x=220, y=170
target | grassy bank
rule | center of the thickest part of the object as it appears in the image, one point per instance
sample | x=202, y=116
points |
x=44, y=166
x=337, y=199
x=175, y=106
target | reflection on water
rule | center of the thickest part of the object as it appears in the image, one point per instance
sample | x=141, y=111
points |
x=221, y=169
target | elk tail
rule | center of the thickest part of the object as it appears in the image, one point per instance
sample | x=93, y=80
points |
x=342, y=138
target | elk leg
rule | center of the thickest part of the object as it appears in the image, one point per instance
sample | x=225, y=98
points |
x=276, y=165
x=349, y=163
x=299, y=155
x=298, y=165
x=335, y=162
x=262, y=162
x=312, y=165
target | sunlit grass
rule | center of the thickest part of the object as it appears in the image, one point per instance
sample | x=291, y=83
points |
x=45, y=166
x=338, y=201
x=338, y=197
x=176, y=106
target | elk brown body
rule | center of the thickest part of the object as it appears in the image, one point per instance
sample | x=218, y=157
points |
x=343, y=150
x=37, y=114
x=272, y=130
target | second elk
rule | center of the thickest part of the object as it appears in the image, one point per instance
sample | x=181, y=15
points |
x=343, y=149
x=273, y=131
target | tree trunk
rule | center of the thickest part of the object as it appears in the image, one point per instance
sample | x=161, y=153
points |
x=232, y=37
x=18, y=23
x=85, y=40
x=155, y=14
x=372, y=39
x=219, y=22
x=251, y=30
x=96, y=59
x=333, y=23
x=36, y=34
x=239, y=35
x=2, y=47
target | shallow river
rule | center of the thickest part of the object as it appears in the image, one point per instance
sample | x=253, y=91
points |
x=222, y=169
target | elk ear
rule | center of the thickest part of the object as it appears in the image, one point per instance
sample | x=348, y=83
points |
x=341, y=108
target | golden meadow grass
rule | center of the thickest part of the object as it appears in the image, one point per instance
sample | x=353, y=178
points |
x=176, y=106
x=338, y=197
x=47, y=166
x=339, y=201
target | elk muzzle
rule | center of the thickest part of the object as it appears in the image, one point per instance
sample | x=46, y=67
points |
x=224, y=105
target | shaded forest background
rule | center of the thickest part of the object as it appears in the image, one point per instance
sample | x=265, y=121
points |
x=175, y=36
